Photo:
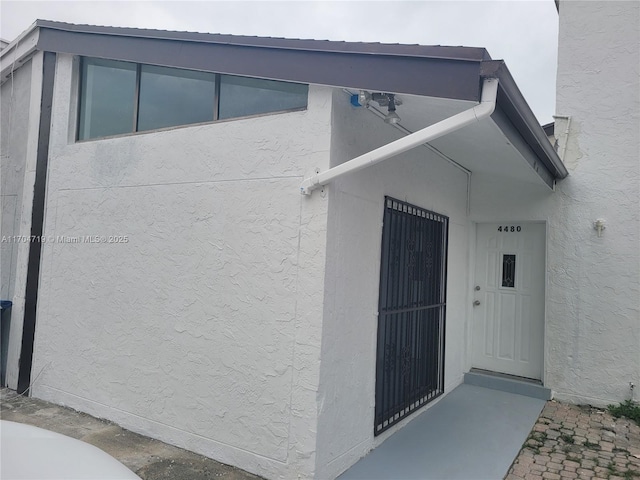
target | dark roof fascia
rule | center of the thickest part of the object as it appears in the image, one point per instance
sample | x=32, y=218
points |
x=433, y=76
x=396, y=49
x=549, y=129
x=512, y=105
x=515, y=137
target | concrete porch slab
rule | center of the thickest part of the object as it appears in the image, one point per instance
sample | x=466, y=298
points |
x=472, y=433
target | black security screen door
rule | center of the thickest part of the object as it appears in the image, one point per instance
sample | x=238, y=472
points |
x=411, y=312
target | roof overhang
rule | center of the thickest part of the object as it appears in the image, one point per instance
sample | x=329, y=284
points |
x=18, y=52
x=447, y=77
x=491, y=146
x=449, y=72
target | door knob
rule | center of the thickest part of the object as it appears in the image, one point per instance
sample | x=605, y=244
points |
x=477, y=288
x=476, y=303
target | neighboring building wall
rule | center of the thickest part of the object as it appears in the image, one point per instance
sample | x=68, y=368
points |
x=20, y=118
x=594, y=338
x=356, y=207
x=592, y=334
x=14, y=117
x=203, y=327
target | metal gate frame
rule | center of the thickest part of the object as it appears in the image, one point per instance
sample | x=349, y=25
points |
x=411, y=311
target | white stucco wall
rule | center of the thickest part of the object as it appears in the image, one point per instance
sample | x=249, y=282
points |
x=20, y=117
x=14, y=118
x=204, y=328
x=592, y=333
x=356, y=207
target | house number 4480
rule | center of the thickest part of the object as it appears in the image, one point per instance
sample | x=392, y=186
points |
x=509, y=228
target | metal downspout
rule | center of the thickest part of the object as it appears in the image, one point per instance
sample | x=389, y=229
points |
x=484, y=109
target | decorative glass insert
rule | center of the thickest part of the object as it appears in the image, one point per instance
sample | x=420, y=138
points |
x=509, y=271
x=107, y=98
x=173, y=96
x=242, y=96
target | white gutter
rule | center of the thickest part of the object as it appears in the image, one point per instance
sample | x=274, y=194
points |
x=565, y=137
x=482, y=110
x=18, y=52
x=433, y=149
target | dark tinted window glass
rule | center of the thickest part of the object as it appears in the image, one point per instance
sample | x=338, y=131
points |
x=108, y=97
x=509, y=271
x=240, y=96
x=170, y=96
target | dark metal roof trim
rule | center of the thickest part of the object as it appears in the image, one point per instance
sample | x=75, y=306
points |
x=503, y=121
x=431, y=51
x=549, y=129
x=428, y=76
x=513, y=105
x=37, y=224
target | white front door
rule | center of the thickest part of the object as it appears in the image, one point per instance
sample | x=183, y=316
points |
x=508, y=311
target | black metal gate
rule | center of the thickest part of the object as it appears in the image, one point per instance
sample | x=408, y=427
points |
x=411, y=311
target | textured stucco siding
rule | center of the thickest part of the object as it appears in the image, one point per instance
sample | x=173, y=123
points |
x=203, y=329
x=20, y=116
x=594, y=312
x=592, y=330
x=356, y=207
x=14, y=118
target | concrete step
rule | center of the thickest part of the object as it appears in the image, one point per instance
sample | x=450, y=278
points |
x=507, y=383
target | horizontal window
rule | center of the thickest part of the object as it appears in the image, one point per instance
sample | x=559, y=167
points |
x=170, y=97
x=122, y=97
x=242, y=96
x=107, y=98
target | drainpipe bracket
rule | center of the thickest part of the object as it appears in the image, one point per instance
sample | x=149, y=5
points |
x=310, y=184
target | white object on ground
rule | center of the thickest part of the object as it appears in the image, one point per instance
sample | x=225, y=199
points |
x=32, y=453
